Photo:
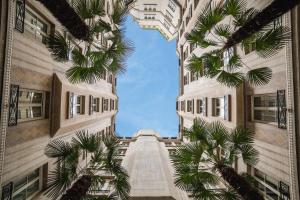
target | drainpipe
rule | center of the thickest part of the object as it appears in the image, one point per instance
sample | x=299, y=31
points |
x=5, y=82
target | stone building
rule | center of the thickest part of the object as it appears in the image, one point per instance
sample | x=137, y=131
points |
x=161, y=15
x=267, y=109
x=39, y=104
x=146, y=158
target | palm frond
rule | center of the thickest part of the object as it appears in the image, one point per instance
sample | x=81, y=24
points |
x=120, y=11
x=59, y=179
x=235, y=7
x=58, y=148
x=83, y=9
x=209, y=17
x=234, y=63
x=245, y=16
x=86, y=141
x=218, y=134
x=249, y=154
x=259, y=76
x=195, y=65
x=269, y=42
x=97, y=8
x=58, y=46
x=198, y=132
x=223, y=30
x=234, y=79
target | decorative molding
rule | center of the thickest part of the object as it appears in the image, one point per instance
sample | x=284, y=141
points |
x=6, y=82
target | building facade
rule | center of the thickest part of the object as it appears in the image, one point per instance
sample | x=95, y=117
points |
x=264, y=109
x=146, y=158
x=161, y=15
x=41, y=104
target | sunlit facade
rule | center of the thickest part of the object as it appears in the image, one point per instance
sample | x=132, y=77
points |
x=161, y=15
x=264, y=109
x=41, y=104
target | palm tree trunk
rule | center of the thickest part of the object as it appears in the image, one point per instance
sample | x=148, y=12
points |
x=239, y=183
x=78, y=189
x=267, y=15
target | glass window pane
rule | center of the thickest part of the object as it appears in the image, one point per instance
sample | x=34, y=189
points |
x=20, y=196
x=37, y=97
x=272, y=182
x=271, y=195
x=33, y=175
x=20, y=183
x=33, y=188
x=36, y=111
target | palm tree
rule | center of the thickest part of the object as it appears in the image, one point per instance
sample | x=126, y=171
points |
x=213, y=150
x=97, y=57
x=75, y=181
x=263, y=18
x=212, y=32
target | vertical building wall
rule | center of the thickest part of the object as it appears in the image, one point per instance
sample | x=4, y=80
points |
x=35, y=75
x=271, y=140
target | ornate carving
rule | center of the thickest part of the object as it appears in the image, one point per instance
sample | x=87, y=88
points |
x=20, y=15
x=13, y=105
x=7, y=191
x=281, y=108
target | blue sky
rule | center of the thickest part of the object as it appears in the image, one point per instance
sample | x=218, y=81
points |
x=148, y=89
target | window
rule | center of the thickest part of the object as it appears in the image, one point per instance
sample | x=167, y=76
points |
x=36, y=26
x=79, y=104
x=270, y=187
x=31, y=105
x=196, y=3
x=186, y=79
x=26, y=187
x=168, y=16
x=185, y=54
x=227, y=55
x=94, y=104
x=201, y=106
x=182, y=105
x=166, y=25
x=112, y=104
x=218, y=107
x=189, y=105
x=172, y=5
x=264, y=108
x=105, y=104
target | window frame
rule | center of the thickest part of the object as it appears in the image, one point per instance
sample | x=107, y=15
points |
x=220, y=107
x=39, y=178
x=264, y=108
x=30, y=105
x=35, y=15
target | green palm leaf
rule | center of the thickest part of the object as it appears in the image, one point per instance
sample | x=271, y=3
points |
x=223, y=30
x=234, y=79
x=244, y=17
x=59, y=180
x=195, y=65
x=119, y=12
x=235, y=7
x=271, y=40
x=209, y=17
x=58, y=46
x=259, y=76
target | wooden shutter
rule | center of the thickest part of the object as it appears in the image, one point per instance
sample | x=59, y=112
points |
x=71, y=105
x=103, y=104
x=227, y=107
x=13, y=105
x=20, y=15
x=281, y=109
x=193, y=106
x=91, y=110
x=204, y=102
